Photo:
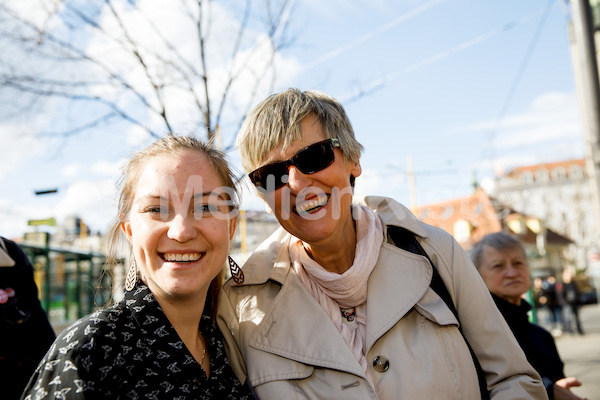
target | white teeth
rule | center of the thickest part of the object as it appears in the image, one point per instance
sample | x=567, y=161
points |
x=181, y=257
x=312, y=204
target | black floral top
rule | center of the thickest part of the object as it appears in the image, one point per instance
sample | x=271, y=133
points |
x=130, y=351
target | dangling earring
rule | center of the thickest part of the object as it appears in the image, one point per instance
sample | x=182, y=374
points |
x=236, y=272
x=131, y=277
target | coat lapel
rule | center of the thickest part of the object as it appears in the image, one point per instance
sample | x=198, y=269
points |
x=398, y=282
x=294, y=328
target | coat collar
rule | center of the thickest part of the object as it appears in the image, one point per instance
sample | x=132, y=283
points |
x=271, y=259
x=295, y=319
x=5, y=259
x=393, y=213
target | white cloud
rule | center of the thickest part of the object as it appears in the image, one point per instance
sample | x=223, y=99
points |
x=71, y=170
x=550, y=116
x=93, y=201
x=14, y=216
x=16, y=148
x=374, y=182
x=335, y=9
x=107, y=168
x=136, y=136
x=549, y=129
x=150, y=25
x=34, y=11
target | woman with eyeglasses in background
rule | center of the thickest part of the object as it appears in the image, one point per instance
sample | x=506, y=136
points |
x=332, y=305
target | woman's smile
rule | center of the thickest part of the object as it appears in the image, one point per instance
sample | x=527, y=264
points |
x=179, y=257
x=313, y=205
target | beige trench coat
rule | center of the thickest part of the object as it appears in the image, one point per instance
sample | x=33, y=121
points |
x=281, y=340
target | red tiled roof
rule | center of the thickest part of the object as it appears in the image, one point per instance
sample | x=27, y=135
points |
x=548, y=166
x=484, y=215
x=477, y=209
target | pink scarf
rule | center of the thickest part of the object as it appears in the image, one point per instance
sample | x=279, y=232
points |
x=334, y=291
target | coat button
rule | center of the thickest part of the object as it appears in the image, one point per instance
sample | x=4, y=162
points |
x=381, y=364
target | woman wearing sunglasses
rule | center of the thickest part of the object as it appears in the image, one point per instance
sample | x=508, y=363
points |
x=330, y=307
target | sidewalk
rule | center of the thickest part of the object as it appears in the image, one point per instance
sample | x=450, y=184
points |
x=581, y=354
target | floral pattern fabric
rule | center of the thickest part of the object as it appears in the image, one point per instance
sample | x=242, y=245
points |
x=131, y=351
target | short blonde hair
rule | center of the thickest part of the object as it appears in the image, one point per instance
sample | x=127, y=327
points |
x=276, y=121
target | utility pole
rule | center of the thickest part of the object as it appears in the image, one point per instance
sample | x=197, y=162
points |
x=586, y=65
x=411, y=182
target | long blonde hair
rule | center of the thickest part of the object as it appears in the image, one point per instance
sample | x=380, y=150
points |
x=170, y=144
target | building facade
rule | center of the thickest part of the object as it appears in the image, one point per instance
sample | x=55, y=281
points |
x=560, y=195
x=470, y=218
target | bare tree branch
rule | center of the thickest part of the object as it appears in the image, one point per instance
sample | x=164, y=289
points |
x=204, y=72
x=136, y=52
x=92, y=52
x=53, y=93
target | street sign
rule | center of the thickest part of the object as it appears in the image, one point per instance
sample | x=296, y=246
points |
x=36, y=238
x=38, y=222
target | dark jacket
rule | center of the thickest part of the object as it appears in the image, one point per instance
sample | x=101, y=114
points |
x=537, y=343
x=25, y=331
x=570, y=293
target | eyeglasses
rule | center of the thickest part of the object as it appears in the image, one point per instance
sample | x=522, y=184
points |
x=309, y=160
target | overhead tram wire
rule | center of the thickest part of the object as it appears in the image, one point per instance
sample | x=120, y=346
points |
x=364, y=38
x=377, y=84
x=516, y=81
x=369, y=35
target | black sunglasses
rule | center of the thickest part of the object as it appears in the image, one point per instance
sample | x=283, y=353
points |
x=309, y=160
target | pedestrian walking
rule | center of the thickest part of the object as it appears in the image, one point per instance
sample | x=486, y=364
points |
x=571, y=297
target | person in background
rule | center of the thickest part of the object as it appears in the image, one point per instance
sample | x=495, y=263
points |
x=330, y=306
x=502, y=262
x=177, y=210
x=550, y=298
x=24, y=327
x=570, y=295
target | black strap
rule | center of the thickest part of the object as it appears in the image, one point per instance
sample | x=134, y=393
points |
x=406, y=240
x=251, y=393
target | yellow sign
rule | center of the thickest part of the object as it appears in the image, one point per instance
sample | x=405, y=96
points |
x=38, y=222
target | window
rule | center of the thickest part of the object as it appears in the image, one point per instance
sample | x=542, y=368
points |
x=527, y=178
x=558, y=174
x=575, y=172
x=541, y=175
x=448, y=212
x=462, y=230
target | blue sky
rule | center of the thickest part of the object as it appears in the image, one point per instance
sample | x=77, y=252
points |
x=464, y=87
